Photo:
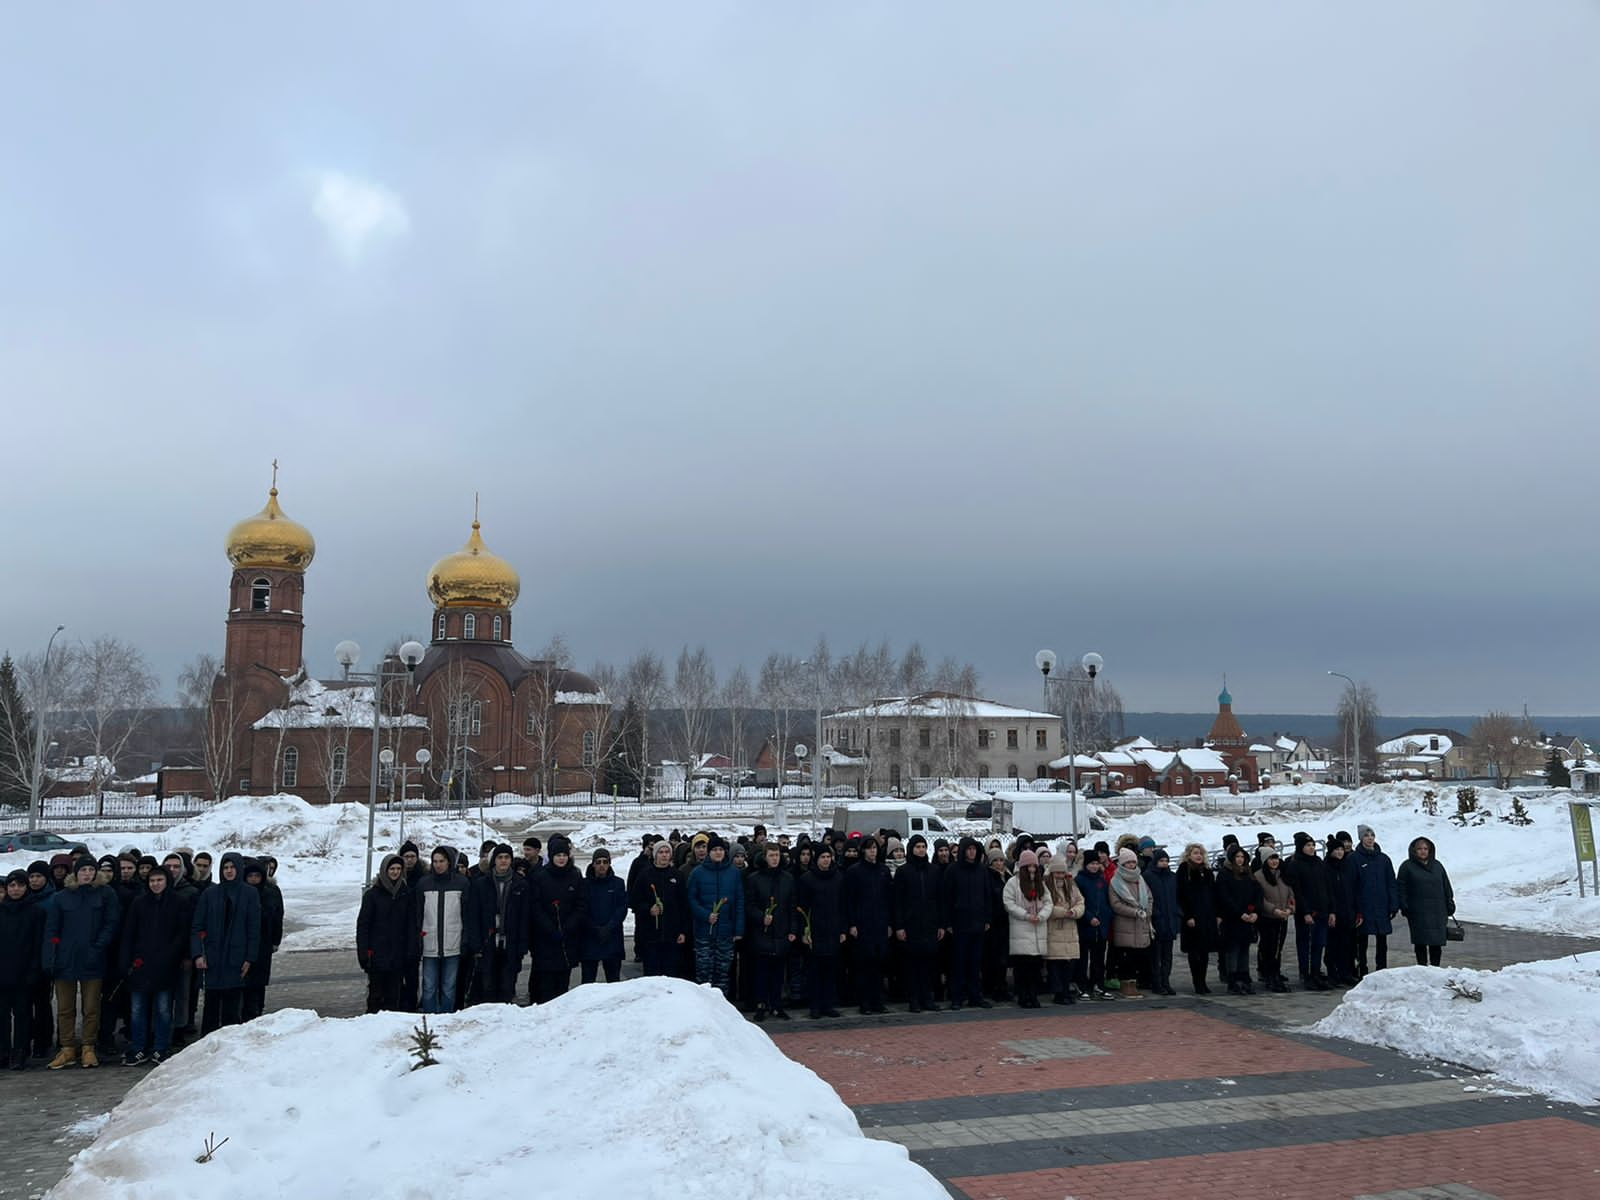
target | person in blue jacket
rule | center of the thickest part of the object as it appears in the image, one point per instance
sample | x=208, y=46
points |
x=1094, y=927
x=716, y=901
x=79, y=926
x=601, y=943
x=225, y=942
x=1380, y=899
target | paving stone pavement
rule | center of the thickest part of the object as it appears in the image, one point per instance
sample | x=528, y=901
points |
x=1084, y=1105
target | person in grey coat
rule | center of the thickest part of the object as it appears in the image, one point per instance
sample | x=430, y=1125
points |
x=1426, y=900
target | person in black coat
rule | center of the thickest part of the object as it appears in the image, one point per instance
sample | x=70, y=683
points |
x=558, y=901
x=868, y=907
x=1165, y=920
x=1239, y=911
x=255, y=988
x=155, y=941
x=965, y=901
x=1344, y=913
x=498, y=925
x=225, y=942
x=1307, y=877
x=918, y=926
x=819, y=914
x=660, y=903
x=606, y=903
x=1427, y=901
x=21, y=943
x=769, y=929
x=1197, y=910
x=387, y=936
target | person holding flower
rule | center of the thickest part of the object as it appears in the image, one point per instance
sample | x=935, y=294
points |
x=660, y=912
x=769, y=929
x=716, y=901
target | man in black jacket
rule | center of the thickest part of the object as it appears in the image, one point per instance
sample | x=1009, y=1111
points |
x=21, y=938
x=1307, y=877
x=499, y=926
x=918, y=925
x=965, y=902
x=558, y=902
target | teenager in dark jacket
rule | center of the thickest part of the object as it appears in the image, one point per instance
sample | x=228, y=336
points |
x=80, y=927
x=1344, y=913
x=769, y=929
x=1380, y=899
x=716, y=901
x=499, y=927
x=606, y=899
x=225, y=943
x=21, y=938
x=1094, y=927
x=1426, y=899
x=660, y=912
x=1307, y=876
x=387, y=936
x=1239, y=910
x=558, y=902
x=1164, y=920
x=155, y=940
x=1197, y=909
x=965, y=903
x=868, y=907
x=919, y=925
x=819, y=915
x=441, y=917
x=41, y=993
x=255, y=987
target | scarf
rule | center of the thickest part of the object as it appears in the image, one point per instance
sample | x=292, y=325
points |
x=1130, y=885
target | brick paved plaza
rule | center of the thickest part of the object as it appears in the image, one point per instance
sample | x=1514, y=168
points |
x=1178, y=1096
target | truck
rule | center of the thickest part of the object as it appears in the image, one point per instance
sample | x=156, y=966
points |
x=1044, y=814
x=905, y=817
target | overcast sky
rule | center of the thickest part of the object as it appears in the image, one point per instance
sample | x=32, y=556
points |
x=1256, y=339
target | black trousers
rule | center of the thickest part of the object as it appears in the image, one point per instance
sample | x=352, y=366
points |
x=545, y=984
x=497, y=976
x=1092, y=964
x=384, y=992
x=919, y=976
x=1161, y=962
x=42, y=1002
x=591, y=968
x=1060, y=972
x=966, y=968
x=1199, y=964
x=16, y=1013
x=767, y=980
x=661, y=958
x=822, y=981
x=869, y=961
x=1269, y=951
x=1381, y=962
x=1025, y=973
x=1429, y=956
x=223, y=1008
x=410, y=977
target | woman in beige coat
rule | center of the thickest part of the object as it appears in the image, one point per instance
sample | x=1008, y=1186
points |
x=1061, y=949
x=1131, y=906
x=1028, y=906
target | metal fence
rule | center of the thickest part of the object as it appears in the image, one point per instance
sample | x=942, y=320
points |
x=111, y=810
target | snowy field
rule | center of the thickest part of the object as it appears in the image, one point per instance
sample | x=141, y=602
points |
x=1537, y=1025
x=654, y=1087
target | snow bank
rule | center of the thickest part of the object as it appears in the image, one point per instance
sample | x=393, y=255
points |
x=1538, y=1025
x=951, y=795
x=649, y=1088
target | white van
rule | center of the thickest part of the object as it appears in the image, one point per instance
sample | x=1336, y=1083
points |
x=904, y=816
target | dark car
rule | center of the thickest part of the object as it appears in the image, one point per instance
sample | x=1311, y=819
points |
x=1106, y=794
x=39, y=841
x=980, y=810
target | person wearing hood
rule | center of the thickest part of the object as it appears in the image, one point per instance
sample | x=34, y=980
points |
x=559, y=902
x=21, y=937
x=1380, y=899
x=869, y=921
x=1164, y=920
x=607, y=903
x=716, y=901
x=1197, y=910
x=498, y=927
x=660, y=912
x=387, y=936
x=964, y=901
x=255, y=987
x=1131, y=908
x=1277, y=910
x=1028, y=906
x=155, y=940
x=1427, y=901
x=441, y=920
x=225, y=943
x=769, y=929
x=1344, y=913
x=80, y=927
x=819, y=914
x=1239, y=910
x=61, y=866
x=1308, y=879
x=918, y=925
x=176, y=866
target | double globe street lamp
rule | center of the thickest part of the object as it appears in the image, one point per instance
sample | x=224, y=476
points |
x=348, y=653
x=1091, y=663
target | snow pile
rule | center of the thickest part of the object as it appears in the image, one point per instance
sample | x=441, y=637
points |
x=951, y=795
x=653, y=1087
x=1538, y=1025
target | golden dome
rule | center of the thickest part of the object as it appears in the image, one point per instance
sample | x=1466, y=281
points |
x=472, y=575
x=270, y=539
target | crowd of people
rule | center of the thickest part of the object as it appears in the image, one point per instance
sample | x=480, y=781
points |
x=119, y=951
x=128, y=949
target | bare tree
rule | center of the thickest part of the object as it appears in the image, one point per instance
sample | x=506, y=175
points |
x=865, y=679
x=1358, y=706
x=960, y=735
x=455, y=718
x=1509, y=745
x=644, y=681
x=333, y=740
x=608, y=726
x=207, y=694
x=112, y=689
x=545, y=719
x=694, y=690
x=738, y=696
x=1097, y=712
x=776, y=690
x=16, y=736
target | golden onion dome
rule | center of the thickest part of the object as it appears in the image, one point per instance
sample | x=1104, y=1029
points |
x=473, y=575
x=270, y=539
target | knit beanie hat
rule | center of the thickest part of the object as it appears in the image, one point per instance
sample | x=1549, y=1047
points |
x=600, y=852
x=1127, y=858
x=915, y=838
x=1271, y=852
x=409, y=848
x=1027, y=859
x=1147, y=843
x=559, y=844
x=996, y=855
x=1363, y=830
x=501, y=848
x=1301, y=838
x=39, y=868
x=701, y=839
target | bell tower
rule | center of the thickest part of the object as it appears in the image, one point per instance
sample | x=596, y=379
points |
x=266, y=610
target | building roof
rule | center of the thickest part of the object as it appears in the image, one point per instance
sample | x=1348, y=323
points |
x=332, y=704
x=940, y=705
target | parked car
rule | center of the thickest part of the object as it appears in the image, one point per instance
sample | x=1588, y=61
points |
x=39, y=841
x=980, y=810
x=1105, y=794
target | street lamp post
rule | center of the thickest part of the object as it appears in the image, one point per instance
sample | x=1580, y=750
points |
x=386, y=757
x=36, y=792
x=348, y=654
x=1045, y=660
x=1355, y=723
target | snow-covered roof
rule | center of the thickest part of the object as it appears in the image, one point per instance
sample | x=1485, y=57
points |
x=87, y=769
x=1263, y=748
x=1115, y=758
x=583, y=698
x=1287, y=743
x=1138, y=743
x=1418, y=744
x=1157, y=760
x=1202, y=760
x=315, y=705
x=937, y=705
x=1083, y=760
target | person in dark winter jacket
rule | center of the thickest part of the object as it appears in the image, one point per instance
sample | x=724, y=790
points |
x=21, y=938
x=1277, y=911
x=1380, y=899
x=558, y=901
x=441, y=918
x=255, y=987
x=819, y=914
x=919, y=925
x=80, y=927
x=1344, y=913
x=1239, y=911
x=1307, y=876
x=1094, y=927
x=155, y=940
x=716, y=900
x=225, y=942
x=498, y=927
x=769, y=929
x=965, y=902
x=42, y=1001
x=1164, y=920
x=1197, y=908
x=607, y=905
x=660, y=905
x=868, y=905
x=1427, y=901
x=387, y=936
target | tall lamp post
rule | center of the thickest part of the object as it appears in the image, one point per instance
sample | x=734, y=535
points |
x=1355, y=723
x=36, y=793
x=1046, y=660
x=348, y=653
x=386, y=757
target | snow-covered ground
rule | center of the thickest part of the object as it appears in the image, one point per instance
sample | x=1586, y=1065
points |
x=653, y=1087
x=1537, y=1026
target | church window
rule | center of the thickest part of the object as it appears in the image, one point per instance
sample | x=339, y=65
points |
x=531, y=726
x=291, y=767
x=440, y=633
x=261, y=595
x=498, y=629
x=469, y=625
x=337, y=768
x=588, y=748
x=477, y=717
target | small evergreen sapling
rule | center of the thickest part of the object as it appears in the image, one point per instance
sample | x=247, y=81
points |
x=424, y=1042
x=1519, y=814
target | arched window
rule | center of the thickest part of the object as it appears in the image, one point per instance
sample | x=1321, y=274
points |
x=261, y=595
x=1011, y=770
x=291, y=767
x=469, y=625
x=983, y=770
x=440, y=633
x=336, y=768
x=531, y=726
x=477, y=716
x=588, y=747
x=1041, y=771
x=498, y=626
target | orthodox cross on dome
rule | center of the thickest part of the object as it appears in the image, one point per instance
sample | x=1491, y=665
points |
x=474, y=510
x=274, y=474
